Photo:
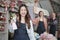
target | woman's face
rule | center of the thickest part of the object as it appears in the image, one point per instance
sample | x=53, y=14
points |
x=53, y=15
x=23, y=11
x=41, y=14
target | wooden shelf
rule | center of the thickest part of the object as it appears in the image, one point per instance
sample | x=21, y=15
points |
x=1, y=32
x=2, y=12
x=2, y=22
x=2, y=6
x=3, y=19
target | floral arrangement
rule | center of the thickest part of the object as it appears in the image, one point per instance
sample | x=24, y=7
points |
x=47, y=36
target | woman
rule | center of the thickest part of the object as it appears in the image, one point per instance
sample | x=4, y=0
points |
x=53, y=24
x=42, y=23
x=23, y=25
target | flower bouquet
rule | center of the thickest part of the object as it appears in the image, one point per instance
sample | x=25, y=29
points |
x=47, y=36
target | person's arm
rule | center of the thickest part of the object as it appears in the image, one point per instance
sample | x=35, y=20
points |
x=32, y=31
x=45, y=24
x=35, y=21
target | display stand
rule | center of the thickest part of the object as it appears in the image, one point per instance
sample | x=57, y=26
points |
x=4, y=15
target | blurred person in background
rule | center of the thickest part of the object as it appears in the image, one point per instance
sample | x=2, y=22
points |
x=42, y=23
x=53, y=24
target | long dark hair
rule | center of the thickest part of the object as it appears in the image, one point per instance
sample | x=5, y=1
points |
x=27, y=17
x=39, y=13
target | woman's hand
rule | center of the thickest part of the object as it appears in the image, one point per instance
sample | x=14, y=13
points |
x=35, y=21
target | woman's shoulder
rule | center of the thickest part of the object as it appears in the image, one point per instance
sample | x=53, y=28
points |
x=45, y=18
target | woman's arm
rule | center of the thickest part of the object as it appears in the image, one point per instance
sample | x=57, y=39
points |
x=31, y=32
x=45, y=24
x=35, y=21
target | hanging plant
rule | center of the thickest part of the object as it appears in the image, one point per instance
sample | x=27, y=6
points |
x=12, y=5
x=6, y=5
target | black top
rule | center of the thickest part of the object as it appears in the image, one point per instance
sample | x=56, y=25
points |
x=41, y=27
x=53, y=26
x=53, y=23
